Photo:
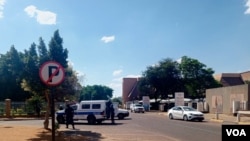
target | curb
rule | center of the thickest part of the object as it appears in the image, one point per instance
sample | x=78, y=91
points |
x=244, y=123
x=162, y=114
x=19, y=119
x=221, y=121
x=217, y=120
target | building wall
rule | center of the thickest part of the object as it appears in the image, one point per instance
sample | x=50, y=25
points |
x=223, y=98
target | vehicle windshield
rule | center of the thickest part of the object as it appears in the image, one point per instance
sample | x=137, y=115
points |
x=188, y=109
x=138, y=105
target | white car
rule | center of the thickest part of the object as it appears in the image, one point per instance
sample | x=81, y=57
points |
x=121, y=113
x=137, y=108
x=186, y=113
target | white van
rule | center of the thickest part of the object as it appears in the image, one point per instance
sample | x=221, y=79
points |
x=94, y=111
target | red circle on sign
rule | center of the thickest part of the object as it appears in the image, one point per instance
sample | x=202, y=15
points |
x=51, y=73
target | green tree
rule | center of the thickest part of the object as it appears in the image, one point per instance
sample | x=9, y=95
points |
x=11, y=72
x=56, y=50
x=42, y=52
x=161, y=79
x=167, y=77
x=70, y=88
x=35, y=104
x=145, y=88
x=96, y=92
x=197, y=77
x=118, y=100
x=31, y=80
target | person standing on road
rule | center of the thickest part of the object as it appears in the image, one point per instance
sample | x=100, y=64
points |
x=69, y=111
x=112, y=113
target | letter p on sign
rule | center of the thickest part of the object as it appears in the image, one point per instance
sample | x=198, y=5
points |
x=51, y=73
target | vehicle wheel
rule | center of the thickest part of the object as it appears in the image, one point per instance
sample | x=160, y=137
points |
x=120, y=116
x=91, y=119
x=185, y=118
x=99, y=121
x=171, y=116
x=60, y=119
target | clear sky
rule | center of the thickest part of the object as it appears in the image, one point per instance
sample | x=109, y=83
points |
x=112, y=39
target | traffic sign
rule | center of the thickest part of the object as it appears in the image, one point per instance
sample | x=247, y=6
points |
x=51, y=73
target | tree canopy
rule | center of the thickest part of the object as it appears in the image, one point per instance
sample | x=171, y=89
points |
x=20, y=71
x=168, y=76
x=197, y=77
x=96, y=92
x=161, y=79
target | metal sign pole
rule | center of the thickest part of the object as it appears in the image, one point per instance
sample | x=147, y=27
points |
x=53, y=113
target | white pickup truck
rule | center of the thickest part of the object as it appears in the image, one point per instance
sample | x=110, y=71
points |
x=93, y=111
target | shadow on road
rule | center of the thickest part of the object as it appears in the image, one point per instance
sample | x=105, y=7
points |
x=68, y=135
x=85, y=123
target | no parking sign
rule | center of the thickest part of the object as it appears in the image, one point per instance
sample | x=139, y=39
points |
x=51, y=73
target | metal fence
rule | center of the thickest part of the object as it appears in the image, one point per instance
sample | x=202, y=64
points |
x=22, y=108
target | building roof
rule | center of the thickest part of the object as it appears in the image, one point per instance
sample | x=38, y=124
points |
x=245, y=76
x=232, y=79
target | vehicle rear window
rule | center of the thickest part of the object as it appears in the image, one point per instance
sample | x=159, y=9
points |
x=96, y=106
x=85, y=106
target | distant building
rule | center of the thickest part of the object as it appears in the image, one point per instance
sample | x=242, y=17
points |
x=233, y=96
x=245, y=76
x=130, y=90
x=234, y=88
x=232, y=79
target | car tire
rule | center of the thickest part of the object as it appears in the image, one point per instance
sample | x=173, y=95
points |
x=171, y=116
x=99, y=121
x=60, y=119
x=91, y=119
x=185, y=118
x=120, y=116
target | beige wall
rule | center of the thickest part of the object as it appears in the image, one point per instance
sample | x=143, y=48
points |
x=223, y=97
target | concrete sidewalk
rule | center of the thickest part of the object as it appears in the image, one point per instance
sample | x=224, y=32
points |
x=244, y=119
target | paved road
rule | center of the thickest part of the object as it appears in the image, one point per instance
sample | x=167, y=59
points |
x=150, y=126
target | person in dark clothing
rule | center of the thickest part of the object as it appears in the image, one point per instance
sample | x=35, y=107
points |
x=112, y=113
x=69, y=111
x=108, y=109
x=38, y=109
